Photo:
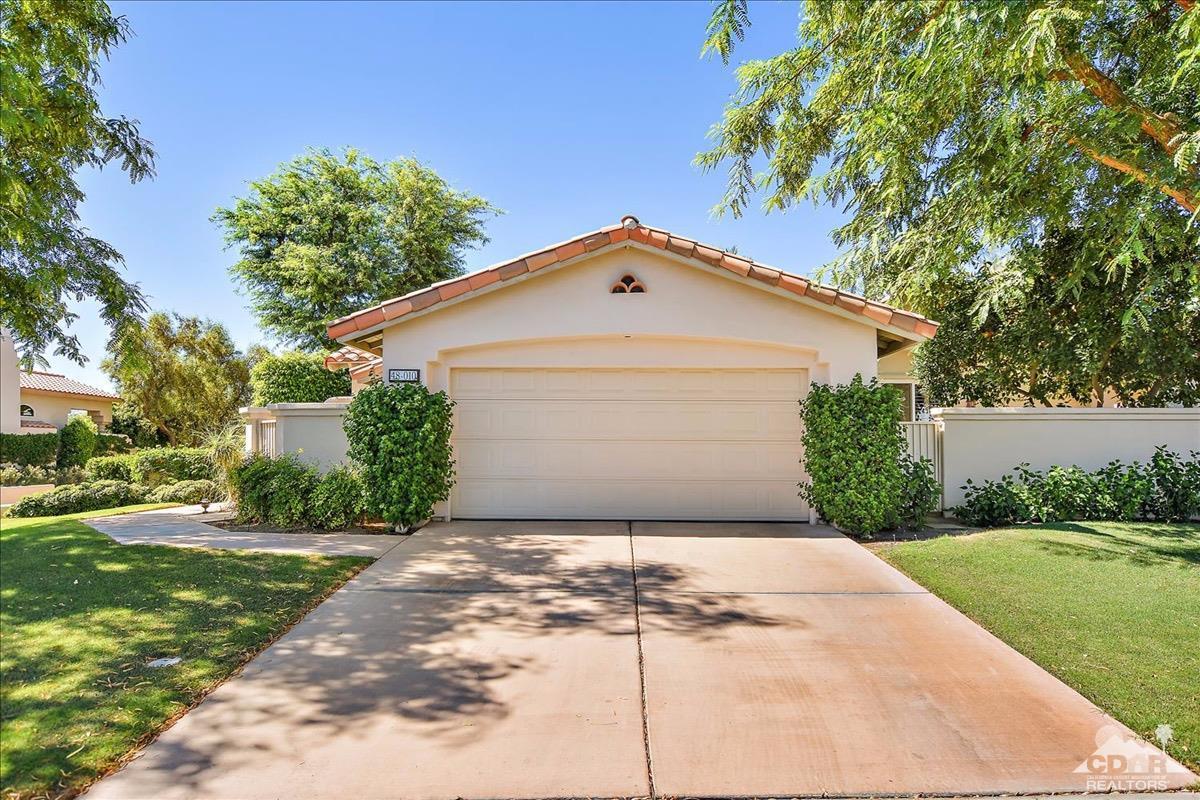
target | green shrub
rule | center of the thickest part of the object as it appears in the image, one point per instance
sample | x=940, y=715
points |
x=26, y=475
x=339, y=501
x=1176, y=494
x=161, y=465
x=921, y=493
x=33, y=448
x=1168, y=488
x=111, y=468
x=400, y=436
x=141, y=432
x=76, y=441
x=79, y=497
x=296, y=378
x=186, y=492
x=277, y=491
x=855, y=456
x=112, y=444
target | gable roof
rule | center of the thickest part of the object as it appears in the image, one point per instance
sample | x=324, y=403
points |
x=54, y=383
x=630, y=231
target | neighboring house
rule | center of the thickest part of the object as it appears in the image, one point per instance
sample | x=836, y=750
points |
x=36, y=402
x=628, y=373
x=363, y=366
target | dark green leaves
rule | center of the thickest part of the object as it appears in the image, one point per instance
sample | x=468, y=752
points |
x=330, y=234
x=51, y=124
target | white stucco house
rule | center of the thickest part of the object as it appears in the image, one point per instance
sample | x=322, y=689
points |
x=41, y=402
x=627, y=373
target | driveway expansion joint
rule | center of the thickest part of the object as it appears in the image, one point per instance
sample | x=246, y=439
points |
x=641, y=655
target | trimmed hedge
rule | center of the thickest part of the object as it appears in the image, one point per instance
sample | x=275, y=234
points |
x=112, y=444
x=79, y=497
x=400, y=436
x=296, y=378
x=77, y=441
x=112, y=468
x=1167, y=488
x=161, y=465
x=857, y=460
x=186, y=492
x=289, y=494
x=36, y=449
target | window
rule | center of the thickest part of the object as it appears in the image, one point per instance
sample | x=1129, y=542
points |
x=26, y=411
x=628, y=285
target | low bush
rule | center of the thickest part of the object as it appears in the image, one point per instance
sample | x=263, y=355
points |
x=400, y=436
x=79, y=497
x=111, y=444
x=1167, y=489
x=26, y=475
x=340, y=499
x=296, y=378
x=77, y=441
x=112, y=468
x=186, y=492
x=289, y=494
x=920, y=495
x=161, y=465
x=36, y=449
x=860, y=476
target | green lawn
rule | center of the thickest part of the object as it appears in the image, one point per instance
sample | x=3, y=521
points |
x=82, y=616
x=1112, y=609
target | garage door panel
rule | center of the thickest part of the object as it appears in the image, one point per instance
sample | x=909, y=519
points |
x=621, y=499
x=628, y=384
x=599, y=460
x=628, y=443
x=646, y=420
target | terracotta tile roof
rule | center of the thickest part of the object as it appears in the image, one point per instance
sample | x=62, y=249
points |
x=37, y=424
x=60, y=384
x=349, y=356
x=361, y=364
x=631, y=230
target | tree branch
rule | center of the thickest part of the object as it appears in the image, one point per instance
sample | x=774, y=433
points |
x=1161, y=129
x=1181, y=196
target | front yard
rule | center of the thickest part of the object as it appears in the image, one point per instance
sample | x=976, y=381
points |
x=83, y=616
x=1112, y=609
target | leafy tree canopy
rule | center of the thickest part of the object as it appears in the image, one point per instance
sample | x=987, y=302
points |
x=956, y=133
x=329, y=234
x=51, y=124
x=1032, y=344
x=183, y=374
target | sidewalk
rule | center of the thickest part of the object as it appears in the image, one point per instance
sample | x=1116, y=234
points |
x=183, y=527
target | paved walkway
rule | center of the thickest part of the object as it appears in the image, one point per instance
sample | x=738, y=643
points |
x=525, y=660
x=182, y=527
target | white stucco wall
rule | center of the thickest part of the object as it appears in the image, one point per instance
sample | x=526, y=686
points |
x=689, y=316
x=56, y=408
x=313, y=431
x=10, y=385
x=986, y=443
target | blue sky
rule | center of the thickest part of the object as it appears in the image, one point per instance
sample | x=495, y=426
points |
x=566, y=116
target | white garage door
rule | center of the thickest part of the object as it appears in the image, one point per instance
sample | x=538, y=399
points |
x=628, y=444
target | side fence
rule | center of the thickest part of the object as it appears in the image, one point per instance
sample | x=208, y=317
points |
x=925, y=441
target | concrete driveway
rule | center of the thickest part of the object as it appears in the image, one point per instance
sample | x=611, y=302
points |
x=506, y=660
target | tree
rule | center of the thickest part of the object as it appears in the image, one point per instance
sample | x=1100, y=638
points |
x=51, y=124
x=296, y=378
x=327, y=235
x=956, y=133
x=1030, y=343
x=183, y=374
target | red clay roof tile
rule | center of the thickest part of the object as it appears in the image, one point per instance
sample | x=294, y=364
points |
x=633, y=231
